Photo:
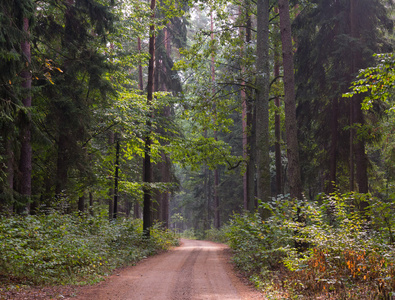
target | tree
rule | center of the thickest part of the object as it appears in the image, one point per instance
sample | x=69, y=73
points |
x=295, y=181
x=262, y=102
x=351, y=32
x=147, y=175
x=15, y=95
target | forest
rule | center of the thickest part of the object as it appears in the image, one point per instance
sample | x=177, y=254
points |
x=262, y=124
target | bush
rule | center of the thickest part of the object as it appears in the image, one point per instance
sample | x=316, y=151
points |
x=348, y=253
x=59, y=248
x=258, y=244
x=217, y=235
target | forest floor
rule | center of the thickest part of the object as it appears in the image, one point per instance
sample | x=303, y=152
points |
x=195, y=270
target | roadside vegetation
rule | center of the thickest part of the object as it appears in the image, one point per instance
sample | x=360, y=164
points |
x=72, y=248
x=340, y=255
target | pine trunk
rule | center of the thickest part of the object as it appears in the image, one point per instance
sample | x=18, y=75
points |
x=262, y=103
x=251, y=169
x=243, y=97
x=62, y=164
x=277, y=129
x=147, y=176
x=111, y=140
x=81, y=203
x=295, y=181
x=217, y=222
x=333, y=147
x=116, y=179
x=25, y=161
x=91, y=204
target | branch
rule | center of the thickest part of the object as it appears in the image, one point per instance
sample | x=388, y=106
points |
x=98, y=133
x=234, y=166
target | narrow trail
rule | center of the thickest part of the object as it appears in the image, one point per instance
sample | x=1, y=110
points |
x=195, y=270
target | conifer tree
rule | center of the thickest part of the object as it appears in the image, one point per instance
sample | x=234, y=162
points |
x=295, y=182
x=15, y=103
x=147, y=172
x=327, y=59
x=262, y=102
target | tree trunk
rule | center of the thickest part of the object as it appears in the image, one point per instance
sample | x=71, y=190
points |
x=111, y=140
x=136, y=212
x=91, y=204
x=295, y=181
x=277, y=128
x=141, y=82
x=352, y=100
x=81, y=203
x=147, y=178
x=165, y=174
x=243, y=97
x=116, y=190
x=251, y=169
x=25, y=161
x=262, y=103
x=333, y=148
x=216, y=171
x=62, y=163
x=8, y=169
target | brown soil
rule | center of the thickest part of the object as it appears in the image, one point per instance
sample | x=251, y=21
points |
x=195, y=270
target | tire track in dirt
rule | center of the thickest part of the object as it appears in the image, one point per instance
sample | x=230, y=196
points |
x=196, y=270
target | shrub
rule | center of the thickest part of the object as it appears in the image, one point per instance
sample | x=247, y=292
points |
x=59, y=248
x=258, y=244
x=348, y=253
x=346, y=250
x=217, y=235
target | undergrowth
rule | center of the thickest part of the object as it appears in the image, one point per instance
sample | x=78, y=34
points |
x=62, y=249
x=346, y=255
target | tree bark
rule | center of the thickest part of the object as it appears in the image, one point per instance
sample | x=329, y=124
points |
x=147, y=177
x=352, y=100
x=62, y=163
x=262, y=103
x=243, y=97
x=217, y=222
x=333, y=147
x=81, y=203
x=25, y=161
x=277, y=128
x=116, y=190
x=136, y=208
x=141, y=83
x=295, y=181
x=165, y=170
x=251, y=168
x=111, y=140
x=91, y=204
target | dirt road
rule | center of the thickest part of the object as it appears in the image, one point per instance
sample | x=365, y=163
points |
x=195, y=270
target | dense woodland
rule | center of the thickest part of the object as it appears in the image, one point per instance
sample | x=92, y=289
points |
x=272, y=120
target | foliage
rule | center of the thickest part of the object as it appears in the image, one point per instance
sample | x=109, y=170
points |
x=377, y=81
x=217, y=235
x=346, y=256
x=57, y=248
x=327, y=58
x=260, y=245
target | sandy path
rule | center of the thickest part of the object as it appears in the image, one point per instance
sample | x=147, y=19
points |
x=195, y=270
